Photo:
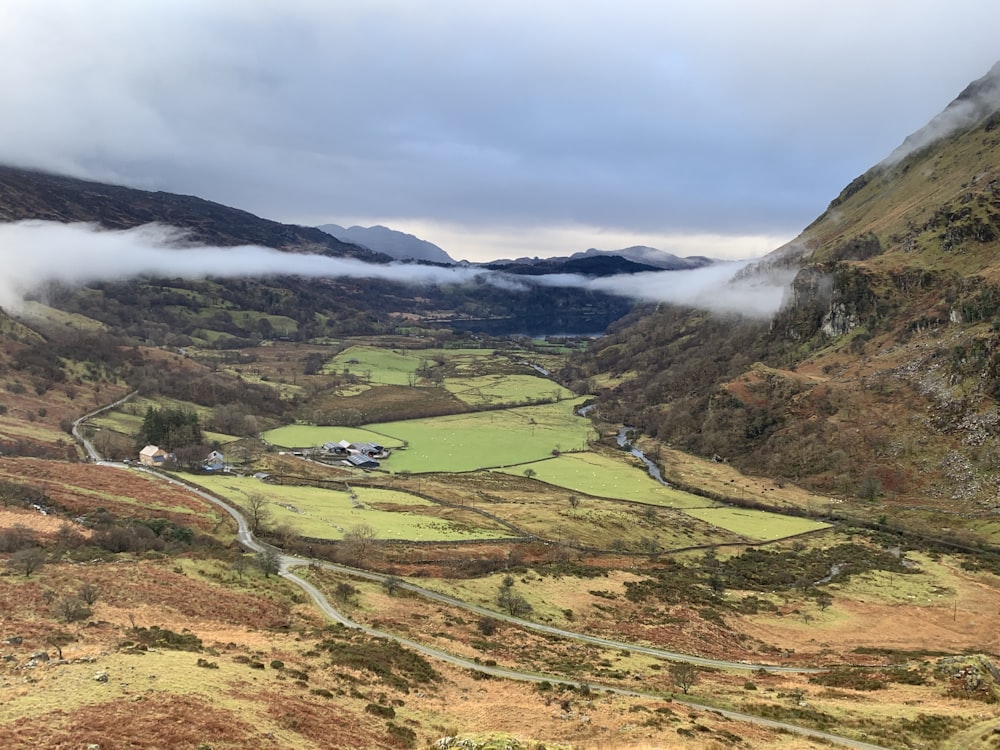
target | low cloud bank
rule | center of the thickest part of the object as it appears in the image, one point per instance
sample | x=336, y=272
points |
x=35, y=252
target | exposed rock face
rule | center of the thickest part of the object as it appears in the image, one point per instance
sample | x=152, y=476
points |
x=839, y=320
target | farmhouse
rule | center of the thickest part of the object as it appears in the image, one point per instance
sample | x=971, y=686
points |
x=153, y=455
x=214, y=462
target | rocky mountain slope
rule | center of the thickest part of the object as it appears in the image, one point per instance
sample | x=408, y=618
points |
x=879, y=379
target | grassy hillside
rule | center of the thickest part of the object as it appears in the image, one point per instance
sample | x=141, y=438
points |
x=879, y=380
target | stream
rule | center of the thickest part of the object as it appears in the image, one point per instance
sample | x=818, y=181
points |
x=654, y=470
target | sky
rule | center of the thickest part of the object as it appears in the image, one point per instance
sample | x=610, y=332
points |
x=495, y=130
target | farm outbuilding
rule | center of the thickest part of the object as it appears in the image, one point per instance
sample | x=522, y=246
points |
x=360, y=461
x=372, y=450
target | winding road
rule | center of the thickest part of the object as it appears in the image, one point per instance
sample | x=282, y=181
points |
x=288, y=563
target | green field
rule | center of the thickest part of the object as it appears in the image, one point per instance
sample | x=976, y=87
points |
x=499, y=389
x=378, y=365
x=327, y=514
x=610, y=477
x=459, y=442
x=756, y=524
x=465, y=442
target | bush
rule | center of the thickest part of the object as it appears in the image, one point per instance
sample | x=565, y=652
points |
x=386, y=712
x=405, y=736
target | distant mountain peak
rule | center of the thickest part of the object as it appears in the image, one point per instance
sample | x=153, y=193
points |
x=399, y=245
x=649, y=256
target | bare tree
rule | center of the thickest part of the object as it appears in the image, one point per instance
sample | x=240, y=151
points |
x=258, y=513
x=57, y=639
x=391, y=585
x=27, y=560
x=89, y=593
x=240, y=564
x=71, y=609
x=357, y=542
x=684, y=675
x=515, y=604
x=344, y=591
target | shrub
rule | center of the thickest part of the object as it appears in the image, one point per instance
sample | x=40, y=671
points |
x=386, y=712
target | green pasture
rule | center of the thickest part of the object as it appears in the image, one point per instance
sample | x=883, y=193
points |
x=38, y=311
x=607, y=476
x=127, y=419
x=756, y=524
x=500, y=389
x=311, y=436
x=280, y=324
x=327, y=513
x=465, y=442
x=378, y=365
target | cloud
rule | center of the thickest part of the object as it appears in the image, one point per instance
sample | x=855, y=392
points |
x=655, y=118
x=979, y=100
x=718, y=288
x=35, y=252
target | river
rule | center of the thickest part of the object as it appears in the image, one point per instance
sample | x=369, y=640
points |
x=654, y=470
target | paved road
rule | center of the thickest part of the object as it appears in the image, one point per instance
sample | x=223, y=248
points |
x=92, y=453
x=288, y=563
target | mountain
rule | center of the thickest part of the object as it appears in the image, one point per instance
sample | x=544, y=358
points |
x=398, y=245
x=879, y=379
x=592, y=262
x=29, y=194
x=592, y=266
x=240, y=312
x=649, y=256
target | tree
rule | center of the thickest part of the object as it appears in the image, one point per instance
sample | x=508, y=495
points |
x=89, y=593
x=824, y=600
x=57, y=639
x=257, y=511
x=269, y=562
x=574, y=501
x=27, y=560
x=530, y=473
x=344, y=591
x=357, y=542
x=514, y=604
x=71, y=609
x=684, y=675
x=391, y=585
x=240, y=564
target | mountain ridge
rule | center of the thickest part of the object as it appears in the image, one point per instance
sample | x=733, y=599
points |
x=392, y=242
x=881, y=375
x=33, y=194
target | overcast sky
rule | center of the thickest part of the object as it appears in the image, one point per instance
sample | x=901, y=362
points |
x=496, y=129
